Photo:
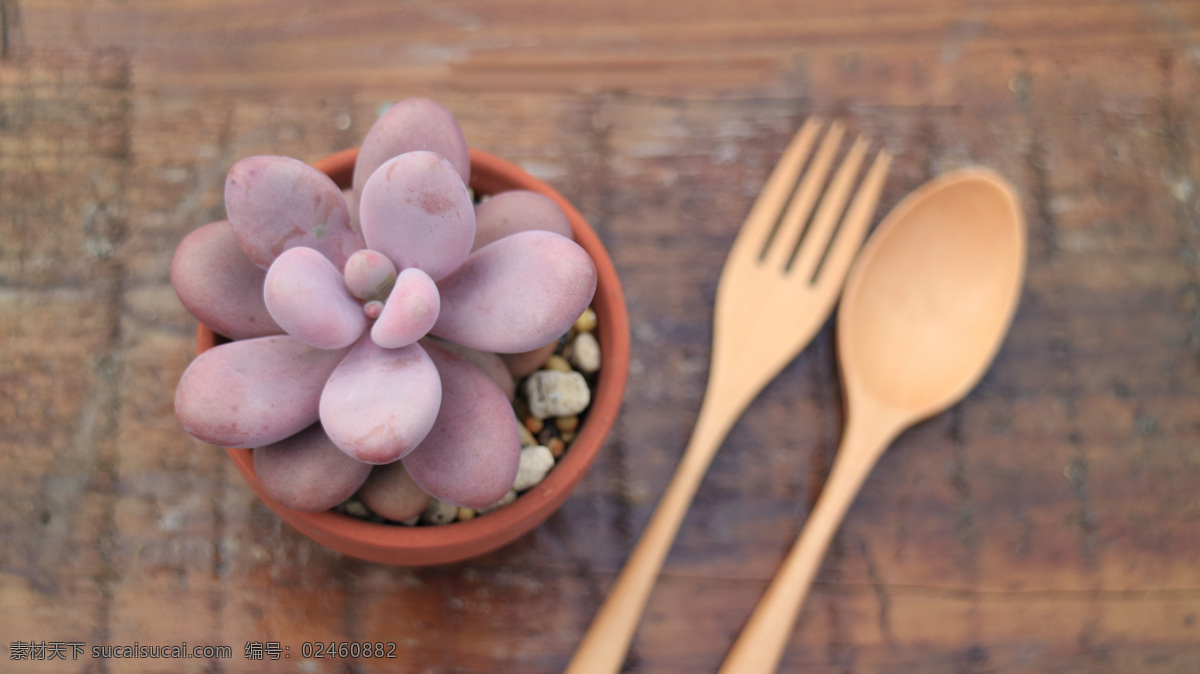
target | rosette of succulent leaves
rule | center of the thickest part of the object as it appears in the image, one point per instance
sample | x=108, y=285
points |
x=365, y=323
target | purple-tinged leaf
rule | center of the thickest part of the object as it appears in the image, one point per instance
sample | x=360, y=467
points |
x=277, y=203
x=379, y=403
x=527, y=362
x=516, y=294
x=471, y=455
x=417, y=211
x=306, y=295
x=219, y=285
x=253, y=392
x=351, y=199
x=391, y=492
x=410, y=310
x=370, y=275
x=489, y=363
x=410, y=125
x=307, y=472
x=518, y=211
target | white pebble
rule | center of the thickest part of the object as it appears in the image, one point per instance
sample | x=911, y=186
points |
x=355, y=508
x=556, y=394
x=527, y=439
x=585, y=353
x=505, y=500
x=439, y=512
x=536, y=462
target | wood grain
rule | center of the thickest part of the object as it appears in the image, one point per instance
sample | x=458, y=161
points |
x=1049, y=523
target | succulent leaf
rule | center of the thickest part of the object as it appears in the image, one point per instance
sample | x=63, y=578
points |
x=391, y=492
x=417, y=211
x=516, y=294
x=307, y=472
x=351, y=199
x=370, y=275
x=276, y=203
x=254, y=392
x=380, y=403
x=491, y=364
x=471, y=454
x=517, y=211
x=219, y=285
x=307, y=295
x=410, y=125
x=526, y=363
x=410, y=311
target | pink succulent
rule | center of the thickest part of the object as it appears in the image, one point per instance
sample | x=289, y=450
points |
x=337, y=319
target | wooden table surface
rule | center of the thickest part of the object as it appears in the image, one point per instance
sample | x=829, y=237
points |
x=1048, y=523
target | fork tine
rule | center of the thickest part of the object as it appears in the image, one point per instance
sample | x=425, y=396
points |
x=756, y=233
x=855, y=223
x=812, y=248
x=791, y=226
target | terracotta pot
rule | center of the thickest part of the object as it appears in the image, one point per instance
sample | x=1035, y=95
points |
x=425, y=545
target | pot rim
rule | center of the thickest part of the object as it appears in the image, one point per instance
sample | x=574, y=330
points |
x=424, y=545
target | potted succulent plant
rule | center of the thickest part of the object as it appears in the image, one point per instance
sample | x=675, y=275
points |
x=382, y=340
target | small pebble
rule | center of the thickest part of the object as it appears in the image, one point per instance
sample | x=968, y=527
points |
x=556, y=394
x=567, y=424
x=412, y=521
x=527, y=439
x=536, y=463
x=556, y=447
x=534, y=424
x=569, y=437
x=585, y=353
x=557, y=363
x=547, y=433
x=355, y=508
x=586, y=321
x=505, y=500
x=439, y=512
x=465, y=514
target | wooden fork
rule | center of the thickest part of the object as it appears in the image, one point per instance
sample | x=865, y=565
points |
x=780, y=282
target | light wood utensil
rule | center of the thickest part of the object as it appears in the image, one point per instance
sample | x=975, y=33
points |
x=922, y=316
x=779, y=284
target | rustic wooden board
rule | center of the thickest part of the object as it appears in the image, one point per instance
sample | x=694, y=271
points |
x=1049, y=523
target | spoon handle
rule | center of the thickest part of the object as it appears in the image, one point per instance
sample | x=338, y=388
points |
x=761, y=644
x=604, y=646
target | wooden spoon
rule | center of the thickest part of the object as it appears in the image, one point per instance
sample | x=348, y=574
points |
x=922, y=315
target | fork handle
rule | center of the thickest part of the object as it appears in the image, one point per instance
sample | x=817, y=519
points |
x=603, y=648
x=762, y=642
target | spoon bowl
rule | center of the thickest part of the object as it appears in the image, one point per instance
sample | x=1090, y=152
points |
x=932, y=294
x=922, y=316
